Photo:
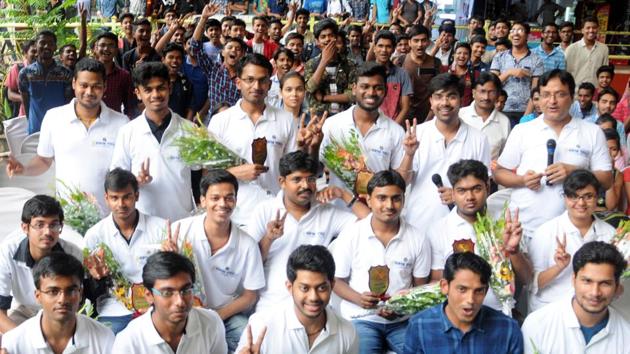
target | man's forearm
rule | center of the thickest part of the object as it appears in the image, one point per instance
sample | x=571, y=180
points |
x=344, y=291
x=313, y=83
x=37, y=165
x=508, y=178
x=522, y=268
x=406, y=168
x=338, y=98
x=6, y=324
x=240, y=304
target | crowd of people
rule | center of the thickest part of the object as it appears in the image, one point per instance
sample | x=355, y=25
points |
x=279, y=256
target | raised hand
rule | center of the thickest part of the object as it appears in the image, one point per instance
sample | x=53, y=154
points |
x=96, y=265
x=315, y=126
x=329, y=194
x=329, y=52
x=446, y=195
x=14, y=167
x=252, y=347
x=512, y=233
x=410, y=142
x=210, y=10
x=172, y=238
x=561, y=257
x=304, y=135
x=144, y=175
x=275, y=227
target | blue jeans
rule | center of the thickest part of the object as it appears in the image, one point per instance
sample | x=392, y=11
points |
x=375, y=338
x=116, y=324
x=234, y=327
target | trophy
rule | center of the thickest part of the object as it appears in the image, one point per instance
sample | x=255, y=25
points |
x=379, y=280
x=259, y=151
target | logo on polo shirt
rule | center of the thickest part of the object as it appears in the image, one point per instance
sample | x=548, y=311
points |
x=320, y=234
x=405, y=263
x=380, y=151
x=578, y=150
x=274, y=141
x=226, y=272
x=103, y=142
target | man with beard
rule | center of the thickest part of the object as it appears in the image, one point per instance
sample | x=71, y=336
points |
x=584, y=322
x=462, y=324
x=552, y=56
x=228, y=259
x=57, y=327
x=400, y=253
x=455, y=233
x=221, y=77
x=307, y=324
x=585, y=56
x=296, y=217
x=606, y=104
x=171, y=325
x=384, y=142
x=444, y=140
x=119, y=89
x=130, y=235
x=144, y=51
x=44, y=84
x=79, y=137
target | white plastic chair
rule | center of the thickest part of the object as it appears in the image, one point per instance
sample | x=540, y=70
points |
x=15, y=130
x=29, y=144
x=13, y=200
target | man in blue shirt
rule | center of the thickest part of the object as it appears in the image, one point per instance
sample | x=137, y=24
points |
x=552, y=56
x=462, y=324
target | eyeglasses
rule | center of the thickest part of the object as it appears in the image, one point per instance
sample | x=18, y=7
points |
x=250, y=81
x=517, y=30
x=168, y=293
x=55, y=292
x=556, y=95
x=588, y=197
x=54, y=227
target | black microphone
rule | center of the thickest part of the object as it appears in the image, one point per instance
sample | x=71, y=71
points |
x=551, y=150
x=437, y=180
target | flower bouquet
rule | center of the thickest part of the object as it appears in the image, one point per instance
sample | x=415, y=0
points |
x=416, y=299
x=345, y=159
x=198, y=147
x=490, y=247
x=199, y=295
x=621, y=240
x=121, y=287
x=80, y=209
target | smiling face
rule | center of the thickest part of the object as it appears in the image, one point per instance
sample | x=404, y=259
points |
x=581, y=206
x=595, y=287
x=311, y=293
x=260, y=29
x=518, y=35
x=550, y=35
x=59, y=297
x=219, y=202
x=142, y=35
x=283, y=64
x=122, y=203
x=445, y=105
x=232, y=52
x=68, y=56
x=154, y=95
x=462, y=55
x=296, y=46
x=369, y=92
x=386, y=204
x=465, y=295
x=254, y=84
x=302, y=22
x=173, y=60
x=383, y=50
x=171, y=310
x=46, y=46
x=478, y=50
x=299, y=187
x=275, y=32
x=589, y=30
x=178, y=36
x=402, y=47
x=326, y=36
x=555, y=101
x=105, y=49
x=89, y=88
x=225, y=28
x=237, y=31
x=501, y=30
x=604, y=79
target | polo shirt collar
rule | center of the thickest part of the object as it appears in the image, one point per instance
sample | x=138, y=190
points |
x=267, y=115
x=491, y=118
x=378, y=123
x=71, y=114
x=23, y=254
x=566, y=223
x=447, y=325
x=141, y=226
x=80, y=338
x=365, y=228
x=152, y=336
x=456, y=219
x=145, y=128
x=582, y=43
x=331, y=327
x=462, y=131
x=529, y=52
x=543, y=126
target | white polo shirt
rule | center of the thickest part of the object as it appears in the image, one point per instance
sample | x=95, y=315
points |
x=169, y=194
x=496, y=127
x=319, y=226
x=285, y=333
x=543, y=247
x=555, y=329
x=82, y=156
x=204, y=333
x=90, y=337
x=407, y=255
x=382, y=144
x=580, y=143
x=235, y=129
x=442, y=236
x=423, y=205
x=234, y=267
x=16, y=264
x=131, y=256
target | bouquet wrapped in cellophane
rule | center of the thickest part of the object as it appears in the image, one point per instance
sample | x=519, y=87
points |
x=346, y=160
x=490, y=247
x=621, y=240
x=198, y=147
x=121, y=286
x=186, y=249
x=80, y=209
x=416, y=299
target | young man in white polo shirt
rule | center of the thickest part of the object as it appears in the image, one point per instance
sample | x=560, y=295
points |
x=57, y=327
x=145, y=147
x=171, y=325
x=481, y=113
x=522, y=166
x=306, y=324
x=470, y=182
x=584, y=322
x=382, y=140
x=443, y=141
x=228, y=259
x=558, y=239
x=296, y=217
x=131, y=236
x=79, y=137
x=399, y=250
x=42, y=221
x=248, y=119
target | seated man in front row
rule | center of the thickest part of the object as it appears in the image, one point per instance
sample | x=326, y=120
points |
x=57, y=328
x=305, y=324
x=462, y=324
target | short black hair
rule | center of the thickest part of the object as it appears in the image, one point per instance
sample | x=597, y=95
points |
x=385, y=34
x=118, y=179
x=606, y=118
x=470, y=261
x=47, y=33
x=294, y=35
x=503, y=93
x=275, y=21
x=41, y=205
x=599, y=252
x=549, y=24
x=464, y=168
x=213, y=22
x=564, y=76
x=144, y=72
x=416, y=30
x=67, y=45
x=606, y=69
x=227, y=18
x=611, y=134
x=140, y=22
x=580, y=179
x=324, y=25
x=127, y=15
x=448, y=28
x=235, y=40
x=591, y=19
x=173, y=47
x=479, y=18
x=92, y=65
x=608, y=91
x=170, y=9
x=501, y=20
x=446, y=81
x=217, y=176
x=503, y=41
x=386, y=178
x=107, y=35
x=523, y=24
x=253, y=59
x=462, y=45
x=567, y=24
x=587, y=86
x=57, y=264
x=239, y=23
x=354, y=28
x=401, y=37
x=302, y=12
x=290, y=75
x=312, y=258
x=371, y=69
x=487, y=76
x=534, y=90
x=165, y=265
x=478, y=39
x=260, y=18
x=478, y=31
x=285, y=51
x=297, y=161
